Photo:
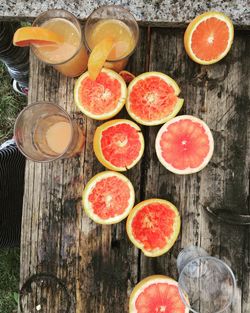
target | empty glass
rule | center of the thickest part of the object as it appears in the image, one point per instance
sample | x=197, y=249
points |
x=45, y=132
x=206, y=284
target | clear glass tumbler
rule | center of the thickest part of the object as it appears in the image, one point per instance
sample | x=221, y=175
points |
x=45, y=132
x=206, y=284
x=69, y=57
x=118, y=23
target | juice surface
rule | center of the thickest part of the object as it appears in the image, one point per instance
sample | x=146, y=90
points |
x=124, y=41
x=58, y=136
x=57, y=53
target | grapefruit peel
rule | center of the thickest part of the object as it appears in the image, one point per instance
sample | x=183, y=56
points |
x=98, y=56
x=98, y=149
x=193, y=26
x=153, y=280
x=120, y=101
x=28, y=35
x=188, y=170
x=169, y=241
x=89, y=188
x=170, y=82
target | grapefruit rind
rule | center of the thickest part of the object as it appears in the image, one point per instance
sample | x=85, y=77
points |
x=90, y=185
x=187, y=170
x=98, y=149
x=170, y=82
x=120, y=103
x=171, y=241
x=28, y=35
x=146, y=282
x=191, y=28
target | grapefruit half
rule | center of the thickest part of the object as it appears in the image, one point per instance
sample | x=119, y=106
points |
x=156, y=293
x=108, y=197
x=184, y=145
x=102, y=98
x=153, y=98
x=209, y=37
x=153, y=226
x=118, y=144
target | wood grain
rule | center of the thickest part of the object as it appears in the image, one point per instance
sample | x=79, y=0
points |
x=97, y=264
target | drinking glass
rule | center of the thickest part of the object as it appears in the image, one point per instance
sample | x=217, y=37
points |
x=45, y=132
x=206, y=284
x=120, y=24
x=69, y=57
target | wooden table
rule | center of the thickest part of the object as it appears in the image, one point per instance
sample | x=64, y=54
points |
x=98, y=264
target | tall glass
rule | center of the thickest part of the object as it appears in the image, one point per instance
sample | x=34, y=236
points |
x=69, y=57
x=116, y=22
x=45, y=132
x=206, y=284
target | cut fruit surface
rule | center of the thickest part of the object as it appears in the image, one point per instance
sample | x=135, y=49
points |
x=153, y=226
x=28, y=35
x=102, y=98
x=209, y=37
x=184, y=145
x=127, y=76
x=98, y=56
x=108, y=197
x=118, y=144
x=153, y=98
x=156, y=293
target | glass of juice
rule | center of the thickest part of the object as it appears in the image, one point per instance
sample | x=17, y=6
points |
x=69, y=57
x=116, y=22
x=45, y=132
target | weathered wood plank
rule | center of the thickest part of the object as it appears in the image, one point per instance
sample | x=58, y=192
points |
x=213, y=94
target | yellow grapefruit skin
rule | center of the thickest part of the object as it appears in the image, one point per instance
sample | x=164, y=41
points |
x=98, y=99
x=153, y=280
x=208, y=36
x=169, y=240
x=117, y=143
x=107, y=199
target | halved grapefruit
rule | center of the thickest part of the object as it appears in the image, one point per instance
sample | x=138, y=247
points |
x=184, y=145
x=102, y=98
x=118, y=144
x=127, y=76
x=108, y=197
x=28, y=35
x=153, y=226
x=209, y=37
x=156, y=293
x=153, y=98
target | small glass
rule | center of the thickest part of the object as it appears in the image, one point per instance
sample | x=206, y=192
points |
x=206, y=284
x=118, y=23
x=70, y=57
x=45, y=132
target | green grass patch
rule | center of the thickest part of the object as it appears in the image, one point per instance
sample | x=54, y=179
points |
x=11, y=104
x=9, y=279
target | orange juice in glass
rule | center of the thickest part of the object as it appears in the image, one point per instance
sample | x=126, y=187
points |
x=119, y=24
x=69, y=57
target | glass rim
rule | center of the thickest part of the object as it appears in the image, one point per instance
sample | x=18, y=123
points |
x=181, y=292
x=122, y=9
x=66, y=115
x=81, y=43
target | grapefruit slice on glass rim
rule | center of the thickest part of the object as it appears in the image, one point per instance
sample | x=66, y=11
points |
x=153, y=98
x=118, y=144
x=108, y=197
x=153, y=226
x=102, y=98
x=28, y=35
x=209, y=37
x=184, y=145
x=156, y=293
